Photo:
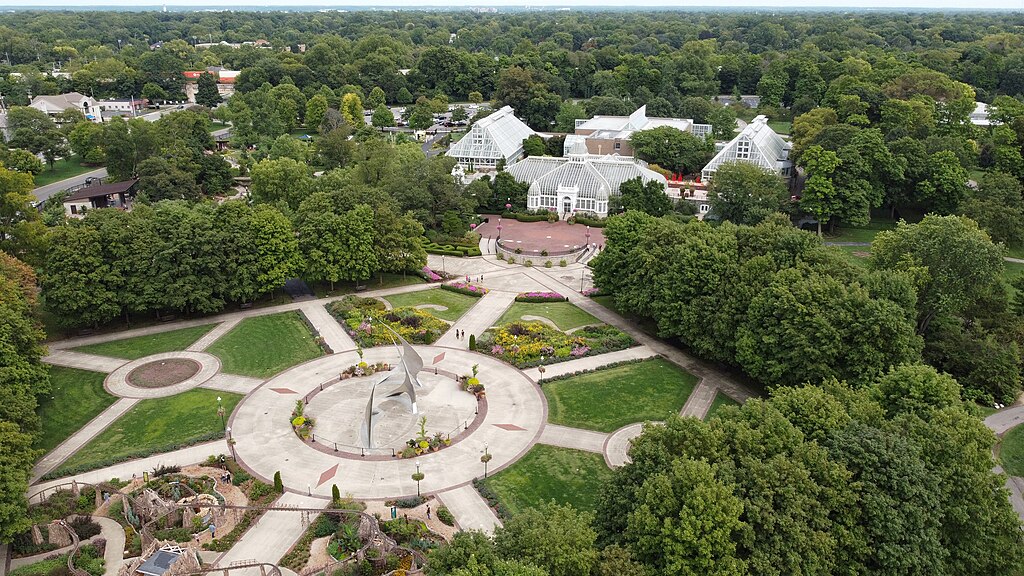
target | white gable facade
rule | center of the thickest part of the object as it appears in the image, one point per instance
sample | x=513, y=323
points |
x=578, y=183
x=757, y=144
x=493, y=139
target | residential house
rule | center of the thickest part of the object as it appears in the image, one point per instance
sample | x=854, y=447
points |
x=496, y=138
x=611, y=134
x=54, y=104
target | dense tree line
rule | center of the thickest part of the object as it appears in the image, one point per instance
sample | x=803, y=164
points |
x=787, y=310
x=892, y=477
x=529, y=60
x=23, y=379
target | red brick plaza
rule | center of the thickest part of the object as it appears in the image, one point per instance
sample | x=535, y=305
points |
x=532, y=237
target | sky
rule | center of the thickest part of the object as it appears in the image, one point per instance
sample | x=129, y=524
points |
x=281, y=4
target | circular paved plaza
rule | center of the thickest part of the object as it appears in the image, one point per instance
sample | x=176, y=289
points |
x=532, y=237
x=265, y=442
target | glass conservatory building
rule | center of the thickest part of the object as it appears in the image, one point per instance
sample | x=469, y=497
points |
x=579, y=182
x=493, y=139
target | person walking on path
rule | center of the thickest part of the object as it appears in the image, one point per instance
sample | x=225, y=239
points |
x=428, y=511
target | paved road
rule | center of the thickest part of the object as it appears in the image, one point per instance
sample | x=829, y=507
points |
x=44, y=192
x=428, y=146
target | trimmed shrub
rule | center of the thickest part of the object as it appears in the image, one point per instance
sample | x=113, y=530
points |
x=445, y=516
x=464, y=288
x=278, y=485
x=472, y=342
x=536, y=297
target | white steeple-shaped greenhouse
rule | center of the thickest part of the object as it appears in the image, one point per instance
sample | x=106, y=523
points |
x=497, y=137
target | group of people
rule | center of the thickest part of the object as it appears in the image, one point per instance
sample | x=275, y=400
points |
x=460, y=334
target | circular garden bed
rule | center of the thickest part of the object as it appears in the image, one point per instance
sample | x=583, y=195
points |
x=162, y=373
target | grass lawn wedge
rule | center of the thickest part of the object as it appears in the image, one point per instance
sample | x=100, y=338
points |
x=76, y=397
x=454, y=304
x=154, y=426
x=721, y=401
x=1011, y=451
x=264, y=345
x=610, y=398
x=550, y=473
x=565, y=316
x=141, y=346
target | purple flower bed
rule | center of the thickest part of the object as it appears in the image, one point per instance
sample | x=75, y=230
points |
x=591, y=292
x=430, y=276
x=466, y=288
x=540, y=297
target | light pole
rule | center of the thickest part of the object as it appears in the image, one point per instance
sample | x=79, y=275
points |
x=442, y=266
x=417, y=477
x=220, y=412
x=485, y=459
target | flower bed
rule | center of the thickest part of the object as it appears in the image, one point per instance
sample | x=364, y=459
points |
x=301, y=425
x=429, y=275
x=466, y=288
x=540, y=297
x=364, y=369
x=424, y=443
x=528, y=344
x=591, y=292
x=361, y=317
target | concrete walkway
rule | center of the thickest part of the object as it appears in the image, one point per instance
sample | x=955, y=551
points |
x=700, y=400
x=84, y=361
x=470, y=509
x=575, y=438
x=212, y=336
x=329, y=328
x=232, y=383
x=591, y=362
x=117, y=382
x=68, y=447
x=273, y=534
x=479, y=318
x=616, y=449
x=266, y=443
x=113, y=554
x=124, y=470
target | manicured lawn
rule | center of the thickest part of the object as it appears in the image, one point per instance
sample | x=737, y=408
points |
x=780, y=126
x=565, y=315
x=156, y=425
x=861, y=233
x=387, y=280
x=608, y=399
x=646, y=325
x=62, y=169
x=76, y=396
x=721, y=401
x=264, y=345
x=456, y=303
x=550, y=473
x=1011, y=451
x=132, y=348
x=857, y=255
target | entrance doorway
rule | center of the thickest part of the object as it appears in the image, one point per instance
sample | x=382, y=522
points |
x=566, y=205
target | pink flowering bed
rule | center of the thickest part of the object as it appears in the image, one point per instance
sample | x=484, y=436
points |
x=540, y=297
x=465, y=288
x=429, y=275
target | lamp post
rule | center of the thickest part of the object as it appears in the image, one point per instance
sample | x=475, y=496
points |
x=588, y=235
x=541, y=368
x=417, y=477
x=442, y=265
x=220, y=412
x=485, y=459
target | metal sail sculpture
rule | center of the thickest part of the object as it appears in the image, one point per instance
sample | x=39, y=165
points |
x=404, y=375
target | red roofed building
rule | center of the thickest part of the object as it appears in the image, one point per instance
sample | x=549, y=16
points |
x=225, y=81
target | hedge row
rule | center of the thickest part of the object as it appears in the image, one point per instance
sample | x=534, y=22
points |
x=530, y=217
x=451, y=250
x=592, y=222
x=540, y=299
x=75, y=470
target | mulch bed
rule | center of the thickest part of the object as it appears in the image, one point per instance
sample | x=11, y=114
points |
x=163, y=373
